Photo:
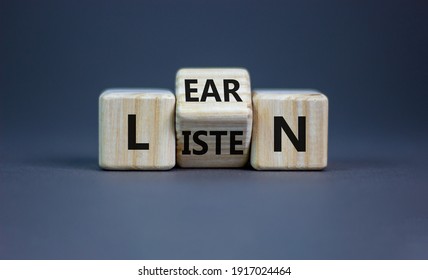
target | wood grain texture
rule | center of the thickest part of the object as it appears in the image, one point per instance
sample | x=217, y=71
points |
x=154, y=112
x=290, y=104
x=213, y=115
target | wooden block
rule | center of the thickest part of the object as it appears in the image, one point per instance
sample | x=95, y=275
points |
x=136, y=129
x=213, y=117
x=290, y=130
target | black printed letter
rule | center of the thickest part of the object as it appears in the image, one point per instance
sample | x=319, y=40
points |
x=186, y=150
x=279, y=123
x=205, y=93
x=233, y=91
x=218, y=135
x=200, y=142
x=234, y=142
x=132, y=135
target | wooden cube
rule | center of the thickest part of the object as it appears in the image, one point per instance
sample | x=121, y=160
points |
x=136, y=129
x=290, y=130
x=213, y=117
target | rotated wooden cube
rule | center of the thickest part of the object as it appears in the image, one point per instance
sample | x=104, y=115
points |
x=213, y=117
x=136, y=129
x=290, y=130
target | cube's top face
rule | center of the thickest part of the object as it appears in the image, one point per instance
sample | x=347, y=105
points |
x=288, y=94
x=198, y=86
x=213, y=72
x=136, y=93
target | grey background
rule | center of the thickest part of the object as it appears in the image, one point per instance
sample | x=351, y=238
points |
x=369, y=57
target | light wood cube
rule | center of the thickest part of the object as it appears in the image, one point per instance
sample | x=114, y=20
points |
x=213, y=117
x=136, y=129
x=290, y=130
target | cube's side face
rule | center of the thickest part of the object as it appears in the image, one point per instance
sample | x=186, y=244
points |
x=203, y=148
x=309, y=150
x=198, y=122
x=154, y=125
x=196, y=79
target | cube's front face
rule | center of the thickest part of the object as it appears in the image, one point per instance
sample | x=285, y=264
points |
x=213, y=117
x=136, y=130
x=290, y=130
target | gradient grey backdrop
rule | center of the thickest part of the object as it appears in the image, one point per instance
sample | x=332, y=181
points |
x=369, y=57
